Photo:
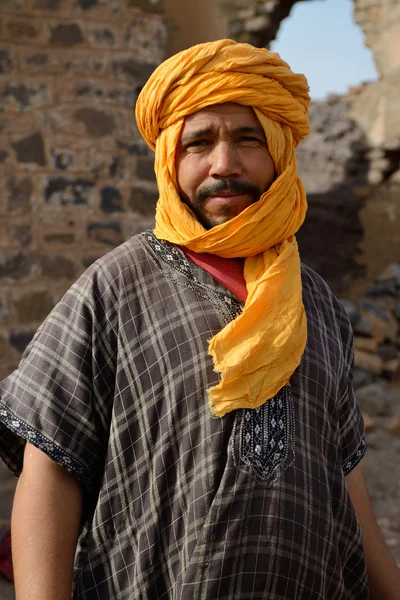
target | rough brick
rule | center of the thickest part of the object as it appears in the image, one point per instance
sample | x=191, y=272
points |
x=66, y=34
x=62, y=158
x=47, y=4
x=6, y=61
x=16, y=266
x=132, y=71
x=59, y=238
x=12, y=4
x=147, y=38
x=111, y=200
x=31, y=150
x=57, y=266
x=61, y=190
x=21, y=234
x=121, y=97
x=20, y=339
x=145, y=169
x=22, y=96
x=133, y=148
x=33, y=306
x=142, y=200
x=154, y=6
x=104, y=37
x=97, y=122
x=19, y=192
x=108, y=232
x=19, y=29
x=4, y=315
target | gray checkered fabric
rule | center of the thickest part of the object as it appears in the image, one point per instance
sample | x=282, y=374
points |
x=179, y=504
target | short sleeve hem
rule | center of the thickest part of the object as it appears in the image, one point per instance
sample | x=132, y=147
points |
x=13, y=448
x=350, y=464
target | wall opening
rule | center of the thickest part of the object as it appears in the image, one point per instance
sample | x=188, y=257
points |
x=321, y=39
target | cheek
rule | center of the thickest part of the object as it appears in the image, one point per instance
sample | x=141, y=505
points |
x=189, y=174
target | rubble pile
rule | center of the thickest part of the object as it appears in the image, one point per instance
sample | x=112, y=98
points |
x=376, y=324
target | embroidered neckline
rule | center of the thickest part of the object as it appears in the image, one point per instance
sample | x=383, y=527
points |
x=172, y=256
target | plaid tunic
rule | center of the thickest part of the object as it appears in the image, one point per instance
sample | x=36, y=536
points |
x=181, y=505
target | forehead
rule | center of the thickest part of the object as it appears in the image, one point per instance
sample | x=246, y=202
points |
x=230, y=114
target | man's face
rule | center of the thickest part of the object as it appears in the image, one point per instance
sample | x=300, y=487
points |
x=222, y=162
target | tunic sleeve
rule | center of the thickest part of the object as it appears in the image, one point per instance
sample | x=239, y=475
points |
x=60, y=397
x=351, y=422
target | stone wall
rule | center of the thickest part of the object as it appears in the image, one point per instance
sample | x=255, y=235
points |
x=76, y=179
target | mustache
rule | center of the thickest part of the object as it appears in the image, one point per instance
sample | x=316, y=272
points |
x=227, y=185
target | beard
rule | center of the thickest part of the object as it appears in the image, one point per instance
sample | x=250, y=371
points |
x=204, y=192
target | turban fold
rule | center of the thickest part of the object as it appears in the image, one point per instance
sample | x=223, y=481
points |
x=257, y=352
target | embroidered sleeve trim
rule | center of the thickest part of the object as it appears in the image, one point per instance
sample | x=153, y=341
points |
x=60, y=456
x=355, y=459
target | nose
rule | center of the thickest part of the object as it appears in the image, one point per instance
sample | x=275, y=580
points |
x=225, y=161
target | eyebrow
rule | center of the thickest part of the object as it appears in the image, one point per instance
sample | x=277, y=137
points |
x=195, y=135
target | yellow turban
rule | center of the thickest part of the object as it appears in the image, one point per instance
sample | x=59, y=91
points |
x=257, y=352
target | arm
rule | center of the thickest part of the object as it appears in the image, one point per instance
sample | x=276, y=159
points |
x=383, y=574
x=45, y=526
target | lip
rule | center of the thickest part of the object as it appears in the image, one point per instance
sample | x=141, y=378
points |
x=224, y=197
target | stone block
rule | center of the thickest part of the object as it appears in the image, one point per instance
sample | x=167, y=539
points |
x=351, y=310
x=21, y=96
x=361, y=378
x=110, y=199
x=105, y=232
x=16, y=5
x=19, y=192
x=47, y=4
x=31, y=149
x=390, y=273
x=18, y=29
x=131, y=70
x=98, y=123
x=21, y=233
x=62, y=61
x=9, y=124
x=66, y=34
x=373, y=400
x=369, y=423
x=59, y=238
x=370, y=324
x=62, y=159
x=147, y=37
x=372, y=363
x=20, y=339
x=139, y=148
x=32, y=306
x=119, y=95
x=66, y=190
x=394, y=425
x=4, y=314
x=58, y=266
x=257, y=23
x=7, y=61
x=103, y=36
x=15, y=267
x=145, y=169
x=391, y=368
x=365, y=343
x=148, y=6
x=143, y=200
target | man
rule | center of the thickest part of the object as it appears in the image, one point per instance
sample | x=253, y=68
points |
x=211, y=315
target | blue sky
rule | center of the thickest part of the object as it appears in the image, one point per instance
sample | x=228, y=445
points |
x=320, y=39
